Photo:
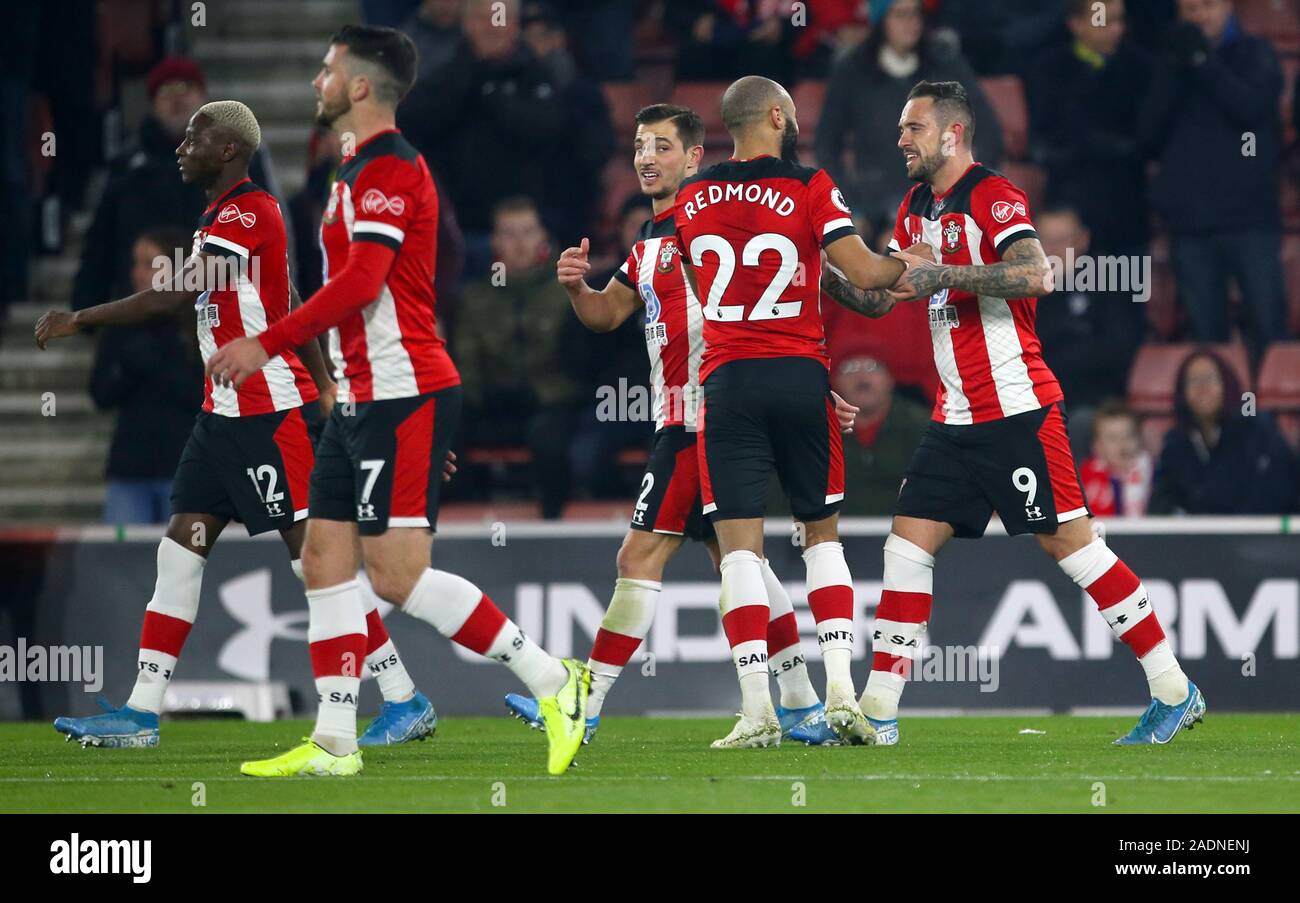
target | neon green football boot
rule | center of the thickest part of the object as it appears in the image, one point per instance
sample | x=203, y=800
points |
x=307, y=759
x=564, y=717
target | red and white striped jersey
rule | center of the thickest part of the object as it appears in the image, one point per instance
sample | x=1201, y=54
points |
x=753, y=230
x=244, y=227
x=985, y=349
x=674, y=321
x=389, y=348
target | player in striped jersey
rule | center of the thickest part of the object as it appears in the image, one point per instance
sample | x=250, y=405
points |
x=376, y=485
x=666, y=150
x=250, y=453
x=998, y=439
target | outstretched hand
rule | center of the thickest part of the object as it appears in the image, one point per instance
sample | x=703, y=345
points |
x=236, y=361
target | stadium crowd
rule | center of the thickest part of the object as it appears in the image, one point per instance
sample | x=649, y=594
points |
x=1159, y=133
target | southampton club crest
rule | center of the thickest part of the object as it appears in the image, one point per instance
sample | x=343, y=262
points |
x=666, y=253
x=952, y=235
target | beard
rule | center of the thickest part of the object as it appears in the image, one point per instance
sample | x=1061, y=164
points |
x=790, y=143
x=328, y=115
x=926, y=167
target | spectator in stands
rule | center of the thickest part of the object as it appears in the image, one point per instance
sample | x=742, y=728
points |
x=435, y=29
x=498, y=124
x=865, y=95
x=308, y=206
x=603, y=32
x=885, y=435
x=152, y=376
x=1085, y=101
x=1218, y=460
x=144, y=187
x=1089, y=337
x=510, y=344
x=729, y=37
x=1214, y=105
x=1004, y=36
x=1117, y=476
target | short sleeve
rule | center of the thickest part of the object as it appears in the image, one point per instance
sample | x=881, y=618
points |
x=242, y=225
x=384, y=200
x=901, y=238
x=831, y=217
x=624, y=273
x=1001, y=210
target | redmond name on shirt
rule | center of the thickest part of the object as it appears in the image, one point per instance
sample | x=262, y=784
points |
x=781, y=204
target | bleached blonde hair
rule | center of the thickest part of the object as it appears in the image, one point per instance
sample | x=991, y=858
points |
x=237, y=117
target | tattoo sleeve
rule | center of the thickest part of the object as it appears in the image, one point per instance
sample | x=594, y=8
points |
x=868, y=302
x=1023, y=273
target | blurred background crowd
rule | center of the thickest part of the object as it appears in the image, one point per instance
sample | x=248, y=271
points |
x=1160, y=131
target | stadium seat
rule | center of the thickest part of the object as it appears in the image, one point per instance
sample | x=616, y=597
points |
x=620, y=183
x=809, y=96
x=1007, y=96
x=705, y=98
x=1154, y=429
x=1289, y=425
x=1291, y=277
x=1279, y=378
x=1151, y=380
x=624, y=99
x=1275, y=20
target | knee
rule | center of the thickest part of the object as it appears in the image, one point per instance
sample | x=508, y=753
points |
x=392, y=582
x=320, y=569
x=631, y=559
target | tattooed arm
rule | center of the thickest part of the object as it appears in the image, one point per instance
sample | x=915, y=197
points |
x=868, y=302
x=1023, y=273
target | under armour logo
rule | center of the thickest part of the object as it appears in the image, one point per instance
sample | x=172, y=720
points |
x=247, y=599
x=231, y=212
x=365, y=512
x=375, y=201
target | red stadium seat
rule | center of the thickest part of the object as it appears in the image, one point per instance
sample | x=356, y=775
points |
x=1154, y=428
x=1291, y=275
x=1279, y=378
x=1151, y=380
x=1275, y=20
x=624, y=99
x=1007, y=96
x=705, y=98
x=809, y=97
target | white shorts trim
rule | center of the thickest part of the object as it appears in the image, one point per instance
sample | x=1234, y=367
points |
x=1071, y=515
x=408, y=522
x=300, y=514
x=835, y=497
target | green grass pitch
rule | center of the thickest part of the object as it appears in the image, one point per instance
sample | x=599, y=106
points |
x=1232, y=763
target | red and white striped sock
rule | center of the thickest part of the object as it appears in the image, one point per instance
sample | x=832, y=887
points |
x=1123, y=602
x=167, y=621
x=744, y=620
x=785, y=652
x=336, y=634
x=382, y=660
x=901, y=619
x=460, y=611
x=830, y=596
x=626, y=623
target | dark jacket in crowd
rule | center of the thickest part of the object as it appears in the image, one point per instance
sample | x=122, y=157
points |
x=1085, y=129
x=153, y=376
x=144, y=192
x=861, y=113
x=873, y=474
x=1203, y=101
x=1089, y=341
x=492, y=129
x=1251, y=470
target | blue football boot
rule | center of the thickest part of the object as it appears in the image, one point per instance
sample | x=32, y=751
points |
x=807, y=725
x=115, y=729
x=401, y=722
x=525, y=709
x=886, y=731
x=1160, y=723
